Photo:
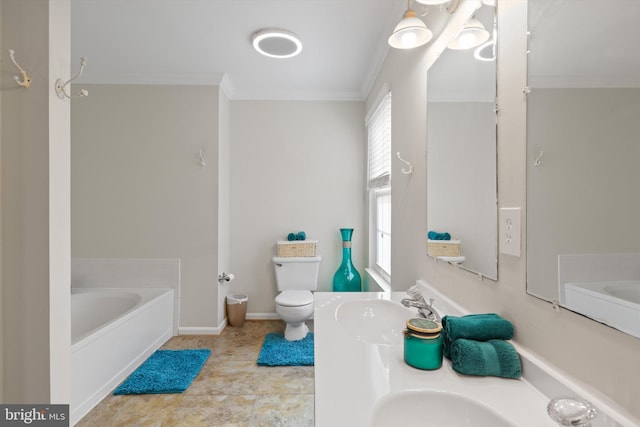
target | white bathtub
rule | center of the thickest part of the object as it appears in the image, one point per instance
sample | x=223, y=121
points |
x=616, y=304
x=112, y=332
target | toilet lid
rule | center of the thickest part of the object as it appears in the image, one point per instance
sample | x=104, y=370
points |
x=294, y=298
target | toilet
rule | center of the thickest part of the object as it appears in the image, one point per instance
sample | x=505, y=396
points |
x=296, y=278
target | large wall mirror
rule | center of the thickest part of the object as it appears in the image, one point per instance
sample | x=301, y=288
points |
x=583, y=158
x=461, y=155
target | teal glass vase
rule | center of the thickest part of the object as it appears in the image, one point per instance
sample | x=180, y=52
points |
x=347, y=278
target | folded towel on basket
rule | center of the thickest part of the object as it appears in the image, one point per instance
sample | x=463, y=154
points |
x=478, y=327
x=291, y=237
x=301, y=235
x=434, y=235
x=485, y=358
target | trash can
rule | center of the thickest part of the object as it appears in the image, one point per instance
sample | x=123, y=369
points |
x=237, y=309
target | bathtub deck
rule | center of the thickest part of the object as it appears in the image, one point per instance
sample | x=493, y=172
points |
x=230, y=390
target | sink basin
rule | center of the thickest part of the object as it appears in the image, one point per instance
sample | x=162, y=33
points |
x=374, y=321
x=430, y=408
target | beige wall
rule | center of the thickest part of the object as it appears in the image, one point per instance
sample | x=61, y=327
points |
x=2, y=79
x=138, y=189
x=272, y=167
x=296, y=165
x=597, y=356
x=35, y=204
x=224, y=230
x=404, y=72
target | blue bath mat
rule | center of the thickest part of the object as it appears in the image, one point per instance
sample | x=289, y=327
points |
x=277, y=351
x=165, y=371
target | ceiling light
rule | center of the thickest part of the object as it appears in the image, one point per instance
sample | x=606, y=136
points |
x=276, y=43
x=410, y=32
x=478, y=53
x=471, y=35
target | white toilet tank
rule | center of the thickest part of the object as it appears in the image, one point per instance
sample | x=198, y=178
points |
x=297, y=273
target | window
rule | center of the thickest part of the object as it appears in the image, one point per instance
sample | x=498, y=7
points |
x=379, y=185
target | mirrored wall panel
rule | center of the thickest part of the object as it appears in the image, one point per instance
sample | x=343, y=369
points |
x=461, y=155
x=583, y=158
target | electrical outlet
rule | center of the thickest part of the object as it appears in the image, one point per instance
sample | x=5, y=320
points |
x=510, y=231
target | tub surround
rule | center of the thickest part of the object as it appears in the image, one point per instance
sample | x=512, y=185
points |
x=376, y=370
x=129, y=273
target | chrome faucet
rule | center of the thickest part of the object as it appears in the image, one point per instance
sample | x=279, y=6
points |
x=425, y=309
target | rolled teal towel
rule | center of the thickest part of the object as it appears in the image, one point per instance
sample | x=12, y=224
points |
x=433, y=235
x=495, y=358
x=291, y=237
x=301, y=236
x=478, y=327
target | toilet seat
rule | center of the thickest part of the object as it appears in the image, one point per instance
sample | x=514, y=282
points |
x=294, y=298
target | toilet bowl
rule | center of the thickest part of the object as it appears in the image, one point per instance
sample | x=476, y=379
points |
x=296, y=277
x=295, y=307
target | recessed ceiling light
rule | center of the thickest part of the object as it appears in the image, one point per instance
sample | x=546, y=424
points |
x=276, y=43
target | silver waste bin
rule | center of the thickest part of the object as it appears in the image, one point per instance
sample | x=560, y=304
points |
x=237, y=309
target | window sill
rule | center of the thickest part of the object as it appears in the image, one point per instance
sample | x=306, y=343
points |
x=376, y=282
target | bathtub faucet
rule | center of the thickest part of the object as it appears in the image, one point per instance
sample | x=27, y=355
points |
x=425, y=309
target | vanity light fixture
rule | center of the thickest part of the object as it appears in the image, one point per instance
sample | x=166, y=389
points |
x=471, y=35
x=411, y=32
x=276, y=43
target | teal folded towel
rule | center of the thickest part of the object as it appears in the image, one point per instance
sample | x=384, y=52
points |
x=479, y=327
x=434, y=235
x=291, y=237
x=495, y=358
x=301, y=236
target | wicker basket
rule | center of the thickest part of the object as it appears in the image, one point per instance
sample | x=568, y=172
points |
x=443, y=247
x=296, y=248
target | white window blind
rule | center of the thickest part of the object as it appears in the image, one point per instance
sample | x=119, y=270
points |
x=379, y=137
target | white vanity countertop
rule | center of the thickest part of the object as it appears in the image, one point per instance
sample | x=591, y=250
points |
x=351, y=375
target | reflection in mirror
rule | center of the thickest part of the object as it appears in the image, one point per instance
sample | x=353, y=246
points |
x=461, y=156
x=583, y=151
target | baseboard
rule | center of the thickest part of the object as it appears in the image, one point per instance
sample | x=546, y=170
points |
x=217, y=330
x=263, y=316
x=203, y=330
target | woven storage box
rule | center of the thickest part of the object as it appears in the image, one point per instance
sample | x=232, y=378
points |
x=297, y=248
x=443, y=247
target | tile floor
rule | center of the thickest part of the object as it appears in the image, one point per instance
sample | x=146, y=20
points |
x=231, y=390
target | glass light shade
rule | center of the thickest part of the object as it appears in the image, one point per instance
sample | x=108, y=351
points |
x=276, y=43
x=410, y=32
x=473, y=34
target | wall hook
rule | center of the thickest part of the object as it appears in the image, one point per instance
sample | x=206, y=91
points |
x=203, y=162
x=538, y=160
x=405, y=171
x=26, y=81
x=60, y=87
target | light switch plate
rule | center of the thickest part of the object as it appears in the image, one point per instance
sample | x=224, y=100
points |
x=510, y=231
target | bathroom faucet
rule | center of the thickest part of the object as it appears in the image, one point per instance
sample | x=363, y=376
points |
x=425, y=309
